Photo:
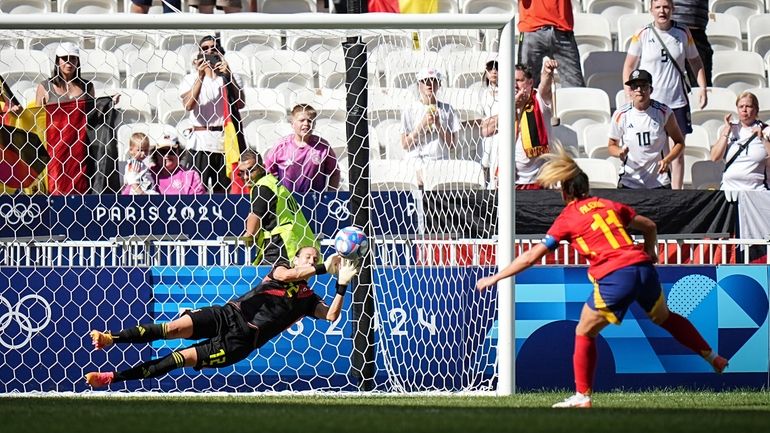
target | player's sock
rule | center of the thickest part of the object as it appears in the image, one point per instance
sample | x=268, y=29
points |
x=685, y=333
x=141, y=334
x=584, y=363
x=154, y=368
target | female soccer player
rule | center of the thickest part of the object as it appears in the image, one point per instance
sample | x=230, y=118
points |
x=621, y=271
x=234, y=330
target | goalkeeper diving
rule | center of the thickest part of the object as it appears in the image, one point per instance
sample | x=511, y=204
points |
x=232, y=331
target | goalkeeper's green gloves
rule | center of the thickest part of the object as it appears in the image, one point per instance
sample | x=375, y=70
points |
x=347, y=271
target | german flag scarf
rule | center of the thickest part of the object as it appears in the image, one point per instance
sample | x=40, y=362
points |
x=532, y=129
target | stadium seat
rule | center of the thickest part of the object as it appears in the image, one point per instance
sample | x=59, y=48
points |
x=101, y=68
x=267, y=134
x=328, y=103
x=88, y=6
x=613, y=9
x=334, y=132
x=706, y=174
x=724, y=33
x=579, y=107
x=434, y=40
x=25, y=6
x=402, y=66
x=153, y=71
x=274, y=68
x=465, y=101
x=448, y=7
x=286, y=6
x=620, y=98
x=389, y=136
x=126, y=44
x=392, y=174
x=134, y=105
x=595, y=139
x=740, y=9
x=170, y=108
x=240, y=64
x=721, y=102
x=592, y=33
x=184, y=43
x=452, y=174
x=331, y=68
x=249, y=44
x=48, y=42
x=312, y=41
x=24, y=69
x=759, y=34
x=763, y=96
x=262, y=105
x=489, y=6
x=601, y=173
x=689, y=161
x=738, y=70
x=566, y=137
x=697, y=143
x=385, y=104
x=628, y=25
x=604, y=70
x=465, y=67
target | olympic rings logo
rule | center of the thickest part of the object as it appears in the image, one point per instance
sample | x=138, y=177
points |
x=339, y=209
x=19, y=213
x=24, y=321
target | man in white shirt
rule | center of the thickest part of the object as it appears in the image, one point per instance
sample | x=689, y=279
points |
x=203, y=94
x=639, y=134
x=429, y=127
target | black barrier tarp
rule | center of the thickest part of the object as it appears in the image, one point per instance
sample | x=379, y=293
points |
x=473, y=214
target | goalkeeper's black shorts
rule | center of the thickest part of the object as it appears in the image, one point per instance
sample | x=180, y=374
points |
x=229, y=338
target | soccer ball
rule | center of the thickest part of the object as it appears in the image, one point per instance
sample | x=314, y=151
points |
x=351, y=243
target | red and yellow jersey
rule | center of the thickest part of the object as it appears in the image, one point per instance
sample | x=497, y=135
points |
x=596, y=228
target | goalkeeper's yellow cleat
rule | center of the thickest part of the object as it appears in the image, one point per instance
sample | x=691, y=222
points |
x=99, y=380
x=100, y=339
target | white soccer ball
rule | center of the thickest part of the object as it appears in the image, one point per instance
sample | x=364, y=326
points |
x=351, y=243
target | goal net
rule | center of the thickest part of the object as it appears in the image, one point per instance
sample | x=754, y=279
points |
x=81, y=250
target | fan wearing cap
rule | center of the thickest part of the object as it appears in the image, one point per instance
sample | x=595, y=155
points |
x=429, y=127
x=171, y=177
x=639, y=134
x=65, y=83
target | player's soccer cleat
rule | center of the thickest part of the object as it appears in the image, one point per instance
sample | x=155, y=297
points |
x=98, y=380
x=578, y=400
x=719, y=364
x=100, y=339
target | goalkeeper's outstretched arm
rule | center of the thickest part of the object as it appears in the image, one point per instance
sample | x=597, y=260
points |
x=347, y=271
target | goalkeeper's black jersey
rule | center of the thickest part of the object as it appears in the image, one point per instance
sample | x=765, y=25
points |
x=273, y=306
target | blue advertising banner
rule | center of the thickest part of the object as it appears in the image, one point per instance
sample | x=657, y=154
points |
x=23, y=216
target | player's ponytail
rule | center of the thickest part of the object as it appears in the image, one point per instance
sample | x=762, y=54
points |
x=561, y=169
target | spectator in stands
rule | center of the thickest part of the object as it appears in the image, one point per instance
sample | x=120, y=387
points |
x=171, y=177
x=533, y=130
x=546, y=30
x=662, y=49
x=429, y=127
x=303, y=161
x=489, y=124
x=639, y=134
x=139, y=177
x=229, y=6
x=745, y=148
x=205, y=95
x=276, y=224
x=695, y=15
x=66, y=82
x=143, y=6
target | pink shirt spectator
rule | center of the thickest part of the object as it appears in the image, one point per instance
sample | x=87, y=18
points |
x=302, y=169
x=181, y=182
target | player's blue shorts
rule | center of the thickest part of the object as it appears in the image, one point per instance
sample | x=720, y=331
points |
x=615, y=292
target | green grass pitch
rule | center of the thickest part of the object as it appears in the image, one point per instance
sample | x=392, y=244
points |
x=658, y=411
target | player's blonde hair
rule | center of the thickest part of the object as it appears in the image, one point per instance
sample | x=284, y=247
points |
x=561, y=169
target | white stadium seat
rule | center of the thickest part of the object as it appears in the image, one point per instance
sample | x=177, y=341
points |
x=286, y=6
x=389, y=137
x=720, y=102
x=613, y=9
x=601, y=173
x=697, y=143
x=706, y=174
x=738, y=70
x=763, y=96
x=328, y=103
x=100, y=67
x=452, y=174
x=465, y=101
x=334, y=132
x=184, y=43
x=566, y=137
x=759, y=34
x=595, y=139
x=331, y=68
x=24, y=69
x=170, y=108
x=250, y=43
x=402, y=66
x=134, y=104
x=263, y=106
x=25, y=6
x=740, y=9
x=604, y=70
x=434, y=40
x=489, y=6
x=630, y=24
x=724, y=33
x=391, y=174
x=153, y=71
x=592, y=33
x=465, y=67
x=273, y=68
x=240, y=64
x=126, y=44
x=579, y=107
x=88, y=6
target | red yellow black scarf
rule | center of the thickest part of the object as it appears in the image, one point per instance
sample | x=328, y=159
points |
x=533, y=130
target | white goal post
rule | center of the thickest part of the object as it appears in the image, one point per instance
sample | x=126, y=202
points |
x=493, y=33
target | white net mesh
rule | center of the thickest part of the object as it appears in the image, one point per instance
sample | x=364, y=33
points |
x=79, y=252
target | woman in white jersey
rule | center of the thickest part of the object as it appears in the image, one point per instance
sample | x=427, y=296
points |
x=666, y=63
x=639, y=134
x=745, y=147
